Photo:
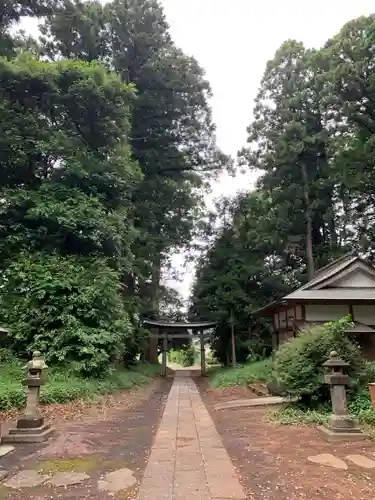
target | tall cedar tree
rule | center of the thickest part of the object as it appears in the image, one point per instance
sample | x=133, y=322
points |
x=312, y=138
x=172, y=135
x=234, y=277
x=350, y=98
x=288, y=142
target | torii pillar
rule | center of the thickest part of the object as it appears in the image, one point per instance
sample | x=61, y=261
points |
x=203, y=353
x=165, y=349
x=152, y=347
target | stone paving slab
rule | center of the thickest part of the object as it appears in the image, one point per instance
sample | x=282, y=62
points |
x=68, y=478
x=5, y=449
x=254, y=402
x=26, y=479
x=361, y=461
x=188, y=460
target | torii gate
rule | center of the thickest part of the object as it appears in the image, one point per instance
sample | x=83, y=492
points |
x=169, y=325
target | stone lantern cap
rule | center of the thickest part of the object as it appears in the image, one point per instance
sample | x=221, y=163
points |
x=37, y=363
x=335, y=375
x=335, y=362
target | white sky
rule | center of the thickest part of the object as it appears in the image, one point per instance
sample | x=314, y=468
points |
x=233, y=41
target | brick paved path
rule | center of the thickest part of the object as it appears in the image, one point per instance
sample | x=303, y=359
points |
x=188, y=460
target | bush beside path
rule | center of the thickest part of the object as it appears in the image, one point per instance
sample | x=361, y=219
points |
x=298, y=372
x=64, y=386
x=242, y=376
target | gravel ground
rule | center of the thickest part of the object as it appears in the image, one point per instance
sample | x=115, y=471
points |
x=272, y=460
x=94, y=439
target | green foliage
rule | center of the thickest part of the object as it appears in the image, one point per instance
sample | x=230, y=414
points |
x=210, y=358
x=368, y=374
x=65, y=232
x=359, y=407
x=359, y=402
x=259, y=371
x=294, y=415
x=64, y=385
x=175, y=356
x=186, y=356
x=312, y=140
x=11, y=13
x=102, y=175
x=229, y=275
x=289, y=144
x=174, y=146
x=299, y=369
x=68, y=308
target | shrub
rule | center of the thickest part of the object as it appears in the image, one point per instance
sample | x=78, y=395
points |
x=175, y=356
x=299, y=370
x=185, y=356
x=188, y=356
x=210, y=360
x=68, y=308
x=368, y=373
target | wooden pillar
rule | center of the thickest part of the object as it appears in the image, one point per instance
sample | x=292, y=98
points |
x=203, y=353
x=275, y=343
x=233, y=341
x=165, y=349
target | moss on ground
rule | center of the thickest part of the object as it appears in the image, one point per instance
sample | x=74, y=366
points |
x=127, y=494
x=82, y=464
x=85, y=464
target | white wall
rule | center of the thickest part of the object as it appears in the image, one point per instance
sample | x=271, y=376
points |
x=364, y=314
x=315, y=312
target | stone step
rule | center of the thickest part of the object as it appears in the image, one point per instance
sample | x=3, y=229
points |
x=259, y=389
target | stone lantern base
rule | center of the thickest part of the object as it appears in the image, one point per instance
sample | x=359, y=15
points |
x=23, y=434
x=341, y=428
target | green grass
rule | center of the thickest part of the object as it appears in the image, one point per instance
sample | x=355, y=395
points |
x=258, y=371
x=295, y=414
x=63, y=386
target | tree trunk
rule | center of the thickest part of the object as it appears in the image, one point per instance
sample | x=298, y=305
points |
x=152, y=348
x=128, y=284
x=227, y=363
x=309, y=243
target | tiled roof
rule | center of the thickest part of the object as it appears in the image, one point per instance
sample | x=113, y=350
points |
x=314, y=289
x=333, y=294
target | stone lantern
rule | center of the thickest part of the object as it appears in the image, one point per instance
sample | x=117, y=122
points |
x=340, y=426
x=30, y=426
